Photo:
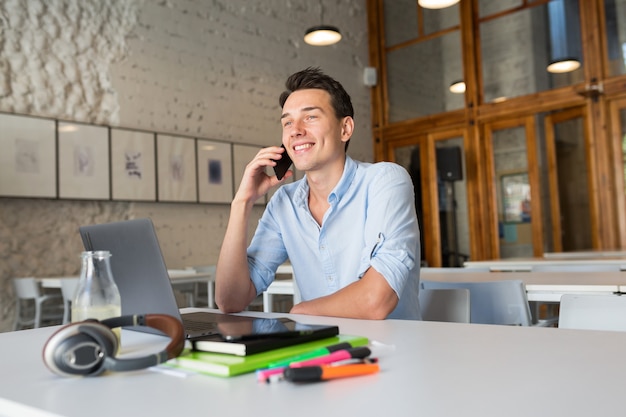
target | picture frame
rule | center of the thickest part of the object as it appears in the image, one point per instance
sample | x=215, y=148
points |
x=176, y=169
x=515, y=191
x=242, y=155
x=215, y=171
x=133, y=165
x=28, y=157
x=83, y=161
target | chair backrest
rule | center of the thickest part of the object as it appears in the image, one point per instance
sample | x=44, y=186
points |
x=493, y=302
x=26, y=288
x=593, y=312
x=450, y=304
x=68, y=288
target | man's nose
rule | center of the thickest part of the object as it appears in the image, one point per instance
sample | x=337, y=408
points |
x=297, y=129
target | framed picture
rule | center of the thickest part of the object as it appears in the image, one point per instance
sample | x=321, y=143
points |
x=242, y=155
x=215, y=172
x=133, y=165
x=515, y=191
x=83, y=161
x=176, y=169
x=28, y=157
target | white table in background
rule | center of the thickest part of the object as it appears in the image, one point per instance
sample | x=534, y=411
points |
x=177, y=277
x=281, y=287
x=427, y=368
x=532, y=264
x=542, y=286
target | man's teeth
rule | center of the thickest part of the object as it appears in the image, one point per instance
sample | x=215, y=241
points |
x=301, y=147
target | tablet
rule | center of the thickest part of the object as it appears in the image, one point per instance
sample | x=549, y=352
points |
x=247, y=328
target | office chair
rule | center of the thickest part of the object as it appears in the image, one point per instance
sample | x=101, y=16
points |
x=449, y=305
x=593, y=312
x=492, y=302
x=26, y=290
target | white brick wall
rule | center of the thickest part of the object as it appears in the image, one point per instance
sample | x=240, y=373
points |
x=211, y=69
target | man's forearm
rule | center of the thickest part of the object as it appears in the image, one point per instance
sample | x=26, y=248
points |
x=369, y=298
x=233, y=288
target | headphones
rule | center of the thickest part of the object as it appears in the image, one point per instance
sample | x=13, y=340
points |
x=88, y=348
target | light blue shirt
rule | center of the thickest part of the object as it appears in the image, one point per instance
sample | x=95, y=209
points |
x=371, y=222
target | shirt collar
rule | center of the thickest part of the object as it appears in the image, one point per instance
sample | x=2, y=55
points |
x=349, y=171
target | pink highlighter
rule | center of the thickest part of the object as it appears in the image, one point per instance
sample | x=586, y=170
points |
x=340, y=355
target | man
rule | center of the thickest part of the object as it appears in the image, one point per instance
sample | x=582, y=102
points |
x=348, y=228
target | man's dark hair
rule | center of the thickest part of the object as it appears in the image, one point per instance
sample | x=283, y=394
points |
x=315, y=78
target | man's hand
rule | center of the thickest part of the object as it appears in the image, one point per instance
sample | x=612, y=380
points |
x=255, y=182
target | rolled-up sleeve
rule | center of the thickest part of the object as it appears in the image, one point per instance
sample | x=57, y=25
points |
x=391, y=230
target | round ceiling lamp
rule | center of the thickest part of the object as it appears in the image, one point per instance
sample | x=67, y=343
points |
x=322, y=35
x=563, y=65
x=437, y=4
x=457, y=87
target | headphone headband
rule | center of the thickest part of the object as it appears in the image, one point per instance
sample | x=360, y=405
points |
x=89, y=347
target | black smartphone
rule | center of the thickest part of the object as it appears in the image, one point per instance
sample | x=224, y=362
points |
x=257, y=328
x=282, y=165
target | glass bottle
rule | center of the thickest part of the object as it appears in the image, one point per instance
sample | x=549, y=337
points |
x=97, y=296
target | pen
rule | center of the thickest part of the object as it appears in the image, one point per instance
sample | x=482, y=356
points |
x=340, y=355
x=310, y=355
x=326, y=372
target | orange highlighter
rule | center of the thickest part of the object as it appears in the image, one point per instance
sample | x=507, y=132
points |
x=325, y=372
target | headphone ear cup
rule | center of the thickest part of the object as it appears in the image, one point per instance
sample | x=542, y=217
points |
x=80, y=349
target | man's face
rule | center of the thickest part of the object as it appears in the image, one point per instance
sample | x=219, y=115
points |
x=312, y=134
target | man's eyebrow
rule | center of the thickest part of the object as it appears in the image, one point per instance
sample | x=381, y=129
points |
x=304, y=109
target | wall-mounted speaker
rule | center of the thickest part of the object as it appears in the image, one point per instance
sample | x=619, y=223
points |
x=450, y=164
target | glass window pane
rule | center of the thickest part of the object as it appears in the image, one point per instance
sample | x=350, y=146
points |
x=490, y=7
x=615, y=13
x=517, y=48
x=440, y=19
x=622, y=117
x=572, y=174
x=419, y=77
x=400, y=21
x=453, y=213
x=513, y=193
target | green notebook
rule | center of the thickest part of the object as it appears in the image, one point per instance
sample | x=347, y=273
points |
x=220, y=364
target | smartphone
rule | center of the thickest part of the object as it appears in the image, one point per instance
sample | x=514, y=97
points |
x=282, y=165
x=277, y=327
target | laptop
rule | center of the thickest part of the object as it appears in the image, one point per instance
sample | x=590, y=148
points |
x=140, y=273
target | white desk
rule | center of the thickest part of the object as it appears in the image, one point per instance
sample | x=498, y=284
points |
x=543, y=286
x=436, y=369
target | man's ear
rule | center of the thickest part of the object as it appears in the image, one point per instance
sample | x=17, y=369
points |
x=347, y=127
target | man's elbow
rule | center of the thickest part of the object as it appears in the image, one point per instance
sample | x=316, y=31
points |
x=229, y=307
x=378, y=309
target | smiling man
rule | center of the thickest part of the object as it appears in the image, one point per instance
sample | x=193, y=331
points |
x=348, y=228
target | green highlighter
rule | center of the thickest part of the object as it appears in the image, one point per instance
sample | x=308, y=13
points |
x=310, y=355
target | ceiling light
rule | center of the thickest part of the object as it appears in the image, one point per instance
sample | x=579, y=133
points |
x=457, y=87
x=322, y=35
x=563, y=65
x=436, y=4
